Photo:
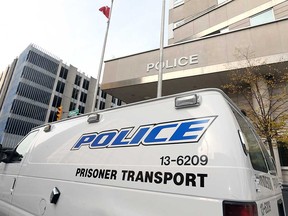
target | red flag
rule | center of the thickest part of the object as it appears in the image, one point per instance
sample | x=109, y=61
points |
x=105, y=10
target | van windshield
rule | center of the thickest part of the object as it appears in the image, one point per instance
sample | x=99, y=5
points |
x=24, y=145
x=259, y=156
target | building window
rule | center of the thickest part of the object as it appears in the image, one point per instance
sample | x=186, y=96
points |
x=77, y=80
x=224, y=30
x=119, y=102
x=96, y=103
x=38, y=77
x=42, y=62
x=220, y=31
x=63, y=73
x=52, y=116
x=33, y=93
x=113, y=104
x=283, y=153
x=60, y=87
x=85, y=84
x=263, y=17
x=83, y=97
x=178, y=23
x=178, y=2
x=221, y=1
x=75, y=94
x=72, y=106
x=18, y=127
x=81, y=109
x=57, y=101
x=28, y=110
x=102, y=105
x=103, y=94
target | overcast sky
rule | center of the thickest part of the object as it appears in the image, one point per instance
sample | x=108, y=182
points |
x=74, y=30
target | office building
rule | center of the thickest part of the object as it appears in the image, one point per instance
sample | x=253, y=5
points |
x=35, y=85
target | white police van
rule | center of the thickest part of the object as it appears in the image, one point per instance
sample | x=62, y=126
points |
x=187, y=154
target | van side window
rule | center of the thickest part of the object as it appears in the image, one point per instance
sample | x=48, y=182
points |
x=24, y=146
x=271, y=165
x=255, y=151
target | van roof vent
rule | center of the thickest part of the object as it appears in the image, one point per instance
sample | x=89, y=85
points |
x=47, y=128
x=93, y=118
x=187, y=101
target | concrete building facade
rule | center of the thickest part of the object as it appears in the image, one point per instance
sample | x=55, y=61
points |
x=194, y=54
x=205, y=39
x=35, y=85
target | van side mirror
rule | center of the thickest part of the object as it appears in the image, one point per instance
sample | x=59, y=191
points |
x=5, y=155
x=2, y=155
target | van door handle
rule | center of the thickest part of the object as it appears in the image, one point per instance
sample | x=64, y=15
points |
x=13, y=186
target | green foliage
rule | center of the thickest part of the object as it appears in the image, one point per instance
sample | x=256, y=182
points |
x=264, y=90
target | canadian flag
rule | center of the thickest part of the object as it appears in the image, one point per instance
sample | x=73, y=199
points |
x=105, y=10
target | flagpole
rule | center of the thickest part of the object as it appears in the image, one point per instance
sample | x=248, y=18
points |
x=95, y=102
x=160, y=73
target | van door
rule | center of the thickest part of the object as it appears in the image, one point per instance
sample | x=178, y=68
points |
x=8, y=174
x=9, y=171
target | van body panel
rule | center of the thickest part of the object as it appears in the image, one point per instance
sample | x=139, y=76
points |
x=8, y=176
x=107, y=200
x=144, y=159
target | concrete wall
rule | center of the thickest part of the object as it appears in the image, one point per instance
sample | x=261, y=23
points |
x=231, y=14
x=217, y=52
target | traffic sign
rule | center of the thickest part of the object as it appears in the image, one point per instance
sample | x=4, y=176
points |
x=73, y=113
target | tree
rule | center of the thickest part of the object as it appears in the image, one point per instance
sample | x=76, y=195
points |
x=263, y=89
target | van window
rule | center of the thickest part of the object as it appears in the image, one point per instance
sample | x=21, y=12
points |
x=271, y=165
x=255, y=151
x=24, y=145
